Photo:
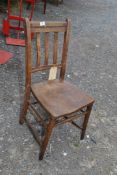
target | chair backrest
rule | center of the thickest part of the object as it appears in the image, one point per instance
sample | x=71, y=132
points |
x=45, y=28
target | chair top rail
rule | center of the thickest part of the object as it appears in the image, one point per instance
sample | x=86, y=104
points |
x=48, y=24
x=37, y=26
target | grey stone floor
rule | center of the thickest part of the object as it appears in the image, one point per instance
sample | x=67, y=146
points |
x=93, y=67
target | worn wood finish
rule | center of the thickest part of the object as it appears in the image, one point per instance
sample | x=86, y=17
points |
x=46, y=48
x=62, y=101
x=38, y=49
x=65, y=50
x=28, y=65
x=61, y=97
x=46, y=138
x=51, y=24
x=45, y=67
x=86, y=118
x=48, y=29
x=55, y=48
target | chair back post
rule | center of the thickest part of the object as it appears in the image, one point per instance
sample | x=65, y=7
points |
x=65, y=49
x=28, y=57
x=34, y=27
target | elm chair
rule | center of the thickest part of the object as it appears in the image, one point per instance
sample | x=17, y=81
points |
x=62, y=101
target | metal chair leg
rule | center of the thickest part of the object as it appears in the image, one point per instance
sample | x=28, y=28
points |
x=89, y=108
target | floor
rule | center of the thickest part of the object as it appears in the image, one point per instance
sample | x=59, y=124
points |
x=92, y=65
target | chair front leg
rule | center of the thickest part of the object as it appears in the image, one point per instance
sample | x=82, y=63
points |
x=24, y=107
x=48, y=133
x=85, y=122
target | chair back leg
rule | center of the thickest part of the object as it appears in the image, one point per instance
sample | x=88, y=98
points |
x=24, y=107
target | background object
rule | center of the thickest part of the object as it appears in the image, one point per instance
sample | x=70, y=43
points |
x=5, y=56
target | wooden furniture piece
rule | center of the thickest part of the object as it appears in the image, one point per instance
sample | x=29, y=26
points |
x=62, y=101
x=57, y=2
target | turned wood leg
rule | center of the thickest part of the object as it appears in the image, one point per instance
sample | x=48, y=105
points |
x=85, y=122
x=24, y=107
x=46, y=139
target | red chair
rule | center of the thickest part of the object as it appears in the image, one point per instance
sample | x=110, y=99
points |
x=19, y=29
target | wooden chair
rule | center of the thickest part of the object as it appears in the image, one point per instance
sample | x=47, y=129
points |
x=62, y=101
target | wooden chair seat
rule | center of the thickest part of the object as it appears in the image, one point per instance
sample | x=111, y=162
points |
x=60, y=97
